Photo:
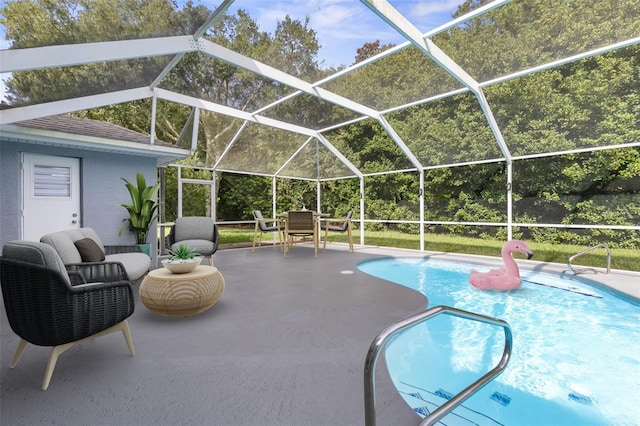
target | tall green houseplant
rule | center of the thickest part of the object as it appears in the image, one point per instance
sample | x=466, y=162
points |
x=143, y=208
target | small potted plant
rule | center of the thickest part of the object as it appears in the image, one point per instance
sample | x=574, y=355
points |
x=182, y=260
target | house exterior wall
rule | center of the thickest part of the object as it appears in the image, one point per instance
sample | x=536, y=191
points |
x=10, y=193
x=102, y=190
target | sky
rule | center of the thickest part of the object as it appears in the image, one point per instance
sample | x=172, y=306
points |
x=342, y=26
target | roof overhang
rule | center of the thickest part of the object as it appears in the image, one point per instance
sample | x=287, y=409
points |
x=164, y=154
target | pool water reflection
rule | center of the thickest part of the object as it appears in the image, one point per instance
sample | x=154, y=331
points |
x=576, y=349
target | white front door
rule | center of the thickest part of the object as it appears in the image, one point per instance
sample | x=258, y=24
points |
x=50, y=195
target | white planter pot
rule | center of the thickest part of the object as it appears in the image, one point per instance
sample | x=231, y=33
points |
x=182, y=266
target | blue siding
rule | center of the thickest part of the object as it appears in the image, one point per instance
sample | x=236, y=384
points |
x=10, y=192
x=101, y=194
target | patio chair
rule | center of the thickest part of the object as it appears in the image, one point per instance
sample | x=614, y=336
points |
x=300, y=223
x=47, y=306
x=337, y=225
x=198, y=233
x=266, y=225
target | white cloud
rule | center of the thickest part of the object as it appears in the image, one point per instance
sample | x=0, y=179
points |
x=435, y=7
x=332, y=16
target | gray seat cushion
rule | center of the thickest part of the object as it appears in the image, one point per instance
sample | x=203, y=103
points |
x=63, y=244
x=203, y=247
x=136, y=264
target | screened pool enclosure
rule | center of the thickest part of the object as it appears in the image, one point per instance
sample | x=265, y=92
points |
x=513, y=117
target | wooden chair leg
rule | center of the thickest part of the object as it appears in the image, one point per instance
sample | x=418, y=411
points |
x=255, y=234
x=19, y=351
x=126, y=331
x=315, y=241
x=53, y=359
x=56, y=351
x=326, y=235
x=286, y=244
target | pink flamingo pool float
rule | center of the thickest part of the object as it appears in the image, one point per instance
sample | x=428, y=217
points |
x=502, y=279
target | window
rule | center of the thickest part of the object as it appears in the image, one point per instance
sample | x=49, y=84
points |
x=51, y=181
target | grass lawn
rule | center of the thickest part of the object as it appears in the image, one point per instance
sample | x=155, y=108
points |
x=625, y=259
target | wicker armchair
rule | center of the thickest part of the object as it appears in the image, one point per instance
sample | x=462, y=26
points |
x=48, y=306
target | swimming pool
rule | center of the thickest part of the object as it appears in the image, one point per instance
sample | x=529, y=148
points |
x=576, y=348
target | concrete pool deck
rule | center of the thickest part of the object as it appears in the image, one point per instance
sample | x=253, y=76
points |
x=285, y=345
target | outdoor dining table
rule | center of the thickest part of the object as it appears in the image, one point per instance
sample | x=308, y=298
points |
x=316, y=215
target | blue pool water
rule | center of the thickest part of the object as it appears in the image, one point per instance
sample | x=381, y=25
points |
x=576, y=349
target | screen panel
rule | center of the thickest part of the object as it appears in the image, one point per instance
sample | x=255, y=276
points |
x=316, y=161
x=523, y=34
x=369, y=147
x=261, y=150
x=449, y=131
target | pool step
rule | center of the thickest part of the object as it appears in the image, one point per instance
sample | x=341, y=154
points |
x=424, y=402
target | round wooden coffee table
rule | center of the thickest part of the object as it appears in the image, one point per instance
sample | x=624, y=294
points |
x=181, y=295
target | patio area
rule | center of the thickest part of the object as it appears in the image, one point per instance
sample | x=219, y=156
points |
x=285, y=345
x=477, y=125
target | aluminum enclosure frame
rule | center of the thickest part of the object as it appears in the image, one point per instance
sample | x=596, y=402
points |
x=70, y=55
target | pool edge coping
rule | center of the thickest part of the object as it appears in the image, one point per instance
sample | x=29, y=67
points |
x=620, y=283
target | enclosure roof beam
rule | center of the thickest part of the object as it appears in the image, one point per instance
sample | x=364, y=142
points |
x=399, y=142
x=12, y=60
x=232, y=112
x=401, y=24
x=13, y=115
x=297, y=151
x=339, y=155
x=467, y=16
x=259, y=68
x=217, y=14
x=230, y=144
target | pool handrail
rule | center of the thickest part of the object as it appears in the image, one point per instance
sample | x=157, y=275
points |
x=585, y=269
x=384, y=338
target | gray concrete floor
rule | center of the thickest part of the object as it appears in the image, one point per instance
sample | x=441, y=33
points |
x=285, y=345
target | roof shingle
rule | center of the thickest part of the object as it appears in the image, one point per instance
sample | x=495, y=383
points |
x=88, y=127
